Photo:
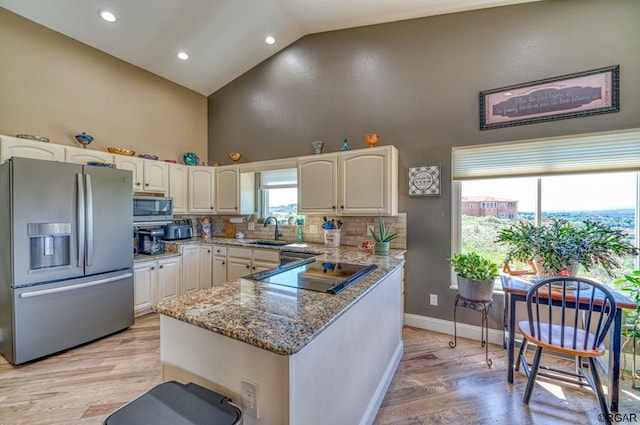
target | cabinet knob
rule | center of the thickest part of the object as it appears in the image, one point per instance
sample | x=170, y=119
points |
x=210, y=207
x=137, y=183
x=333, y=207
x=223, y=263
x=342, y=206
x=161, y=267
x=208, y=250
x=153, y=268
x=248, y=266
x=235, y=208
x=146, y=184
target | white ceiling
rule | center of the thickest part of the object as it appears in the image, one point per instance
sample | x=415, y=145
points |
x=225, y=38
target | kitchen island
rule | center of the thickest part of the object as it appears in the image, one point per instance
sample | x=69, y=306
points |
x=316, y=358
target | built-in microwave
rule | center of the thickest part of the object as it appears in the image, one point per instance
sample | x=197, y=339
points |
x=152, y=209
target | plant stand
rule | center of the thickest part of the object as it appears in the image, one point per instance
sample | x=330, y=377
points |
x=634, y=372
x=483, y=307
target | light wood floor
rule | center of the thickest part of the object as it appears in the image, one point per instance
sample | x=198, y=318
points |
x=434, y=384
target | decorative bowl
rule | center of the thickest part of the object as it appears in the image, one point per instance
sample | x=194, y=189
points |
x=371, y=139
x=148, y=156
x=235, y=156
x=32, y=137
x=172, y=161
x=84, y=139
x=191, y=158
x=120, y=151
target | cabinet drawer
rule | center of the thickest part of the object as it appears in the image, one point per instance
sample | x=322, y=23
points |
x=219, y=251
x=266, y=255
x=239, y=252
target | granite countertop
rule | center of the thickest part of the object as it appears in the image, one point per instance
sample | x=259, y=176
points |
x=276, y=318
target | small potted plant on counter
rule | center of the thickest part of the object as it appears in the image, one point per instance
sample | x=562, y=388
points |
x=383, y=237
x=475, y=276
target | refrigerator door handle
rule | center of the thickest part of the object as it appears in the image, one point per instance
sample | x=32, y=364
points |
x=89, y=222
x=74, y=287
x=80, y=212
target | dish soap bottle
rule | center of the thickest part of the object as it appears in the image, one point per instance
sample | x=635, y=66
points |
x=300, y=222
x=345, y=146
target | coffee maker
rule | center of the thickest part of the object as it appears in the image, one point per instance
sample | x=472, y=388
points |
x=149, y=241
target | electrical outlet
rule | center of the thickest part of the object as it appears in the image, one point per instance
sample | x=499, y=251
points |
x=249, y=392
x=251, y=226
x=433, y=299
x=369, y=229
x=313, y=228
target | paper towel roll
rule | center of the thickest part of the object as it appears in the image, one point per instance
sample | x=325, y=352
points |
x=237, y=220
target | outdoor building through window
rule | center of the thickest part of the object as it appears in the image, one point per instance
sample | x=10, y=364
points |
x=590, y=177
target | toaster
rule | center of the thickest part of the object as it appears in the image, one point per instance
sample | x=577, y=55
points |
x=179, y=229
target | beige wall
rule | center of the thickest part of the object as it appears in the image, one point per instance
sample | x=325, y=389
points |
x=54, y=86
x=416, y=83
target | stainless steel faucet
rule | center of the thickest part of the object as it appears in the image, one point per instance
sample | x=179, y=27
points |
x=266, y=221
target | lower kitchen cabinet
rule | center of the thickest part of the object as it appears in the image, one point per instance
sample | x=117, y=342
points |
x=155, y=281
x=205, y=266
x=219, y=265
x=190, y=267
x=244, y=261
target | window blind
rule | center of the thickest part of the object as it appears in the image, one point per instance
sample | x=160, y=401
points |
x=594, y=152
x=278, y=178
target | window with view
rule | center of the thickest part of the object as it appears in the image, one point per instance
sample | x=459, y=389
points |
x=278, y=195
x=537, y=192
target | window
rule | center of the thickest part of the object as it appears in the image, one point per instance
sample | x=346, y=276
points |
x=278, y=195
x=584, y=177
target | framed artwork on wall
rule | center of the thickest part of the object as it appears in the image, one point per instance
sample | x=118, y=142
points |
x=569, y=96
x=424, y=180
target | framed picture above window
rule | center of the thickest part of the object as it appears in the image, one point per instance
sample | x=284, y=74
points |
x=569, y=96
x=424, y=180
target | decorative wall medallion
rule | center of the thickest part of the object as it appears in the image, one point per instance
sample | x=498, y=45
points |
x=424, y=181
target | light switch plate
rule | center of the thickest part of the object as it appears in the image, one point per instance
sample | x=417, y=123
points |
x=313, y=228
x=251, y=226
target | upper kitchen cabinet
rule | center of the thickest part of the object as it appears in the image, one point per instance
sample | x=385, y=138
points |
x=148, y=175
x=369, y=181
x=83, y=156
x=357, y=182
x=234, y=191
x=14, y=146
x=318, y=184
x=179, y=187
x=201, y=189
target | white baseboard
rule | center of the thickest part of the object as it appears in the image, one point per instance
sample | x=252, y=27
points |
x=376, y=401
x=446, y=327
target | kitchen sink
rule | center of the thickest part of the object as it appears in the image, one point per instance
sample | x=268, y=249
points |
x=267, y=243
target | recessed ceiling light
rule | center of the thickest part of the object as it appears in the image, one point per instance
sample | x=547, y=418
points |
x=182, y=56
x=107, y=16
x=269, y=40
x=508, y=93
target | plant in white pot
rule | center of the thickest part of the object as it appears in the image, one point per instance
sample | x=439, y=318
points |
x=383, y=237
x=475, y=276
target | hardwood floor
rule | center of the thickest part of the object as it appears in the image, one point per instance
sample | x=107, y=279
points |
x=434, y=384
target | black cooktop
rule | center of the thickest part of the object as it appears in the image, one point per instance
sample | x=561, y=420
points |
x=315, y=275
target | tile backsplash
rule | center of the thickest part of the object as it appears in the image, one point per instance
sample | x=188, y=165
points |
x=353, y=232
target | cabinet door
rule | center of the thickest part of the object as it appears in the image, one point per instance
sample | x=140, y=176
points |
x=23, y=148
x=135, y=166
x=219, y=270
x=368, y=181
x=144, y=278
x=82, y=156
x=168, y=278
x=318, y=184
x=156, y=176
x=227, y=190
x=201, y=188
x=237, y=268
x=178, y=187
x=206, y=266
x=190, y=268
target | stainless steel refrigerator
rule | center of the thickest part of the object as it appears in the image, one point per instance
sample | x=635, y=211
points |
x=66, y=256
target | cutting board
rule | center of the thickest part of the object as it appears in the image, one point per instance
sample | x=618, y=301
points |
x=229, y=230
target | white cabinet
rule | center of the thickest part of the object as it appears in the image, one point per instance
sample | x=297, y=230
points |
x=148, y=175
x=201, y=189
x=227, y=190
x=219, y=265
x=179, y=187
x=244, y=261
x=190, y=268
x=154, y=281
x=24, y=148
x=369, y=181
x=318, y=184
x=205, y=268
x=82, y=156
x=357, y=182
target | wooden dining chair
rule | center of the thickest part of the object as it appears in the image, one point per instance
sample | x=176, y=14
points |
x=568, y=328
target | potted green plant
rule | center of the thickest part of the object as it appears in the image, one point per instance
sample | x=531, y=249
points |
x=383, y=237
x=559, y=246
x=630, y=284
x=475, y=276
